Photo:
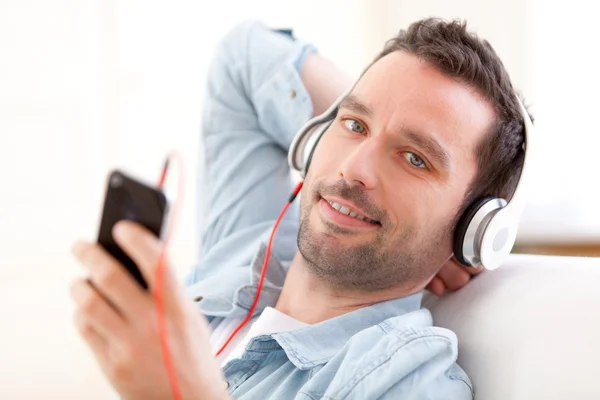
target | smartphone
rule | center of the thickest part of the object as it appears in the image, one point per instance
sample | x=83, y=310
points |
x=130, y=199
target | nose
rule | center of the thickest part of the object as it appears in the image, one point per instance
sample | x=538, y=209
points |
x=361, y=166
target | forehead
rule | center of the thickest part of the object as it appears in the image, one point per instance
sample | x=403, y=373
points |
x=402, y=90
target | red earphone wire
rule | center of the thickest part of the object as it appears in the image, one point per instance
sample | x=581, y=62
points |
x=264, y=268
x=159, y=280
x=158, y=292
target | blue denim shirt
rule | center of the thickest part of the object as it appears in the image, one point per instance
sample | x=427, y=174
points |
x=254, y=105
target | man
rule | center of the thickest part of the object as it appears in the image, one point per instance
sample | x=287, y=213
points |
x=432, y=124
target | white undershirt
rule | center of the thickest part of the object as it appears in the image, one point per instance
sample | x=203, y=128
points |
x=270, y=321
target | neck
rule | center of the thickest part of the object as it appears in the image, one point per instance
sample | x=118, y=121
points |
x=308, y=299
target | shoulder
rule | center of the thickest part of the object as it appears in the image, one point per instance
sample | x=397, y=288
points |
x=398, y=360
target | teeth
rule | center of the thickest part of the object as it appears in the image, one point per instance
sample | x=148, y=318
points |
x=347, y=211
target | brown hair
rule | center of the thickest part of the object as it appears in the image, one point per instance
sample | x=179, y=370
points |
x=463, y=56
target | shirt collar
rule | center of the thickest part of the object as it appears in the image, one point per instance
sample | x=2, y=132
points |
x=318, y=343
x=231, y=292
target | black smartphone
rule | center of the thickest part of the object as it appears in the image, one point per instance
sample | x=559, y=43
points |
x=128, y=198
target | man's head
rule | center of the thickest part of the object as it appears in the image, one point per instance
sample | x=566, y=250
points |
x=432, y=124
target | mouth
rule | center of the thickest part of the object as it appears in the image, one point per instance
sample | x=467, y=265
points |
x=344, y=214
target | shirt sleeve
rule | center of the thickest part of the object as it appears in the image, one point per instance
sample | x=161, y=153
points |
x=254, y=104
x=451, y=384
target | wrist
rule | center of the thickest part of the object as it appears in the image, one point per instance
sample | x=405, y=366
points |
x=324, y=81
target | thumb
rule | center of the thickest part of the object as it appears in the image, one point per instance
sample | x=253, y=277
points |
x=145, y=249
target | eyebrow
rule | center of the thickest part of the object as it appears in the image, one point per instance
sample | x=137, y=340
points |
x=428, y=144
x=352, y=103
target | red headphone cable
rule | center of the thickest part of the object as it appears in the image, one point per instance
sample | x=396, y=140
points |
x=158, y=292
x=159, y=275
x=264, y=268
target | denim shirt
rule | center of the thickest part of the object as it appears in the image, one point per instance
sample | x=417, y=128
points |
x=255, y=103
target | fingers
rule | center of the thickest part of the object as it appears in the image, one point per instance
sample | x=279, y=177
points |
x=89, y=334
x=436, y=286
x=145, y=249
x=453, y=276
x=96, y=320
x=473, y=271
x=111, y=279
x=141, y=245
x=97, y=343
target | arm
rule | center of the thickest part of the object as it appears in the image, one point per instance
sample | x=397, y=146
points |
x=260, y=90
x=324, y=81
x=248, y=121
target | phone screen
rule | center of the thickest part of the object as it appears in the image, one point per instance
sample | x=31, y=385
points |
x=127, y=198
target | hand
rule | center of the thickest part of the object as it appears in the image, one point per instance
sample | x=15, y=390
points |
x=451, y=277
x=118, y=321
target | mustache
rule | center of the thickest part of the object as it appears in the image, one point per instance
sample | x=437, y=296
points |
x=354, y=194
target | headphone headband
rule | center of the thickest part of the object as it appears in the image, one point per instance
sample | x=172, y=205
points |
x=499, y=234
x=300, y=152
x=519, y=197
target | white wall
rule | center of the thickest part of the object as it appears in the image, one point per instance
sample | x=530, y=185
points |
x=89, y=86
x=502, y=23
x=86, y=87
x=564, y=80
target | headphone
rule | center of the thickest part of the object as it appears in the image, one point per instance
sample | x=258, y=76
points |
x=486, y=231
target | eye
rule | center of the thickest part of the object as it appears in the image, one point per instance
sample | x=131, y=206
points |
x=415, y=160
x=354, y=125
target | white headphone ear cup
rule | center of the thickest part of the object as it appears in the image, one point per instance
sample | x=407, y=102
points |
x=498, y=239
x=471, y=228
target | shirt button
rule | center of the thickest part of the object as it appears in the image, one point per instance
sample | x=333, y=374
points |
x=226, y=385
x=292, y=94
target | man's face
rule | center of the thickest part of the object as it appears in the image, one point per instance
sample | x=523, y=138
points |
x=401, y=153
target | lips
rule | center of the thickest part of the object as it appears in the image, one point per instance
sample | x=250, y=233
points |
x=344, y=213
x=349, y=212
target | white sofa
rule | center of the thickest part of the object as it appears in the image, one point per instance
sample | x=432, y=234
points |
x=530, y=329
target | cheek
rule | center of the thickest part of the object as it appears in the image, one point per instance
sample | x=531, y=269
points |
x=420, y=208
x=328, y=155
x=410, y=210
